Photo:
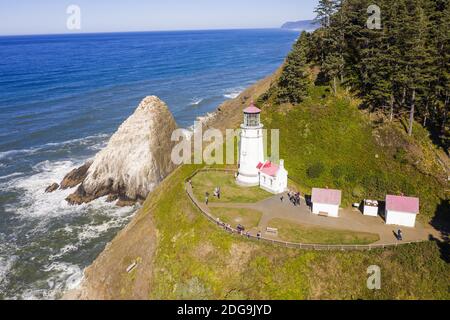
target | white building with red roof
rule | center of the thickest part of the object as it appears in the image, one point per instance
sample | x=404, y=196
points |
x=326, y=201
x=273, y=178
x=401, y=210
x=251, y=147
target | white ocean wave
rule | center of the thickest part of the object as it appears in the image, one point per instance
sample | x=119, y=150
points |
x=45, y=208
x=118, y=217
x=30, y=151
x=65, y=277
x=7, y=261
x=12, y=153
x=6, y=264
x=34, y=201
x=196, y=101
x=12, y=175
x=233, y=93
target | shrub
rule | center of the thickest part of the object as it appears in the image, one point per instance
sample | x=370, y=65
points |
x=337, y=172
x=351, y=177
x=358, y=192
x=401, y=156
x=315, y=170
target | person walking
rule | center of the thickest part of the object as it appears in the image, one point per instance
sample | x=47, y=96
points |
x=400, y=235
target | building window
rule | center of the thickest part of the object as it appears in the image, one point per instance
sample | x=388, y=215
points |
x=252, y=120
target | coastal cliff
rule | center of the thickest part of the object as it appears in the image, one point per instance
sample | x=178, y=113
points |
x=106, y=277
x=135, y=161
x=169, y=251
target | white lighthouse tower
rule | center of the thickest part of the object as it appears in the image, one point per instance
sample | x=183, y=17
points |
x=251, y=151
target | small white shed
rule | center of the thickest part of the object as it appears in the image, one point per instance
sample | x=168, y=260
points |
x=370, y=208
x=326, y=201
x=401, y=210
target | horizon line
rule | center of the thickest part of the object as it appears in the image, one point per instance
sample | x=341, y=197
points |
x=141, y=31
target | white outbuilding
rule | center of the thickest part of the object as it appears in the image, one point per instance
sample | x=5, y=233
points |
x=370, y=208
x=401, y=210
x=326, y=202
x=273, y=178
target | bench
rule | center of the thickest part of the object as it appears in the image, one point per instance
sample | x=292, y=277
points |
x=273, y=231
x=131, y=267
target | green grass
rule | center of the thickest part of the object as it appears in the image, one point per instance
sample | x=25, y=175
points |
x=197, y=260
x=293, y=232
x=327, y=142
x=246, y=217
x=230, y=192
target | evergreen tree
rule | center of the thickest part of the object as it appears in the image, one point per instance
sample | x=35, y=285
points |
x=293, y=82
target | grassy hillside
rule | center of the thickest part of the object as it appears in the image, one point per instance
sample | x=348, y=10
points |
x=327, y=141
x=196, y=260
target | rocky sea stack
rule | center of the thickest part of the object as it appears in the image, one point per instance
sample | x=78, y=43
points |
x=135, y=161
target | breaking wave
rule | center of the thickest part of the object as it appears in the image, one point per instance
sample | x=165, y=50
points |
x=63, y=238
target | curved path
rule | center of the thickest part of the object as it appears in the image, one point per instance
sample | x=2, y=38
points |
x=350, y=220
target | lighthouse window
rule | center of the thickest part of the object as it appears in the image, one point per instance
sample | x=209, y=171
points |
x=252, y=120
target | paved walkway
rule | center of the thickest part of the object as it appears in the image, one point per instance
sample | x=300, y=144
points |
x=349, y=219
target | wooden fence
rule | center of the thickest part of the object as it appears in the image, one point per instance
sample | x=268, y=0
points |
x=303, y=246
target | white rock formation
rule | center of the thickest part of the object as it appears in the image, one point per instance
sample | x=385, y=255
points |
x=136, y=159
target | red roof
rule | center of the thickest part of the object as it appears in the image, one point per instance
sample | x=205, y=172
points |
x=326, y=196
x=268, y=168
x=402, y=204
x=252, y=109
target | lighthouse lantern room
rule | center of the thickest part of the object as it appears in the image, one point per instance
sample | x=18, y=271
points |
x=251, y=151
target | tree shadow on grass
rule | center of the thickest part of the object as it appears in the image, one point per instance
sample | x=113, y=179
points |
x=441, y=222
x=441, y=219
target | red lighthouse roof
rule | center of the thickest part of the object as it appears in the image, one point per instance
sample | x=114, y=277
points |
x=268, y=168
x=252, y=109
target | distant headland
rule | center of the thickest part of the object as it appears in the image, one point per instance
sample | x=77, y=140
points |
x=301, y=25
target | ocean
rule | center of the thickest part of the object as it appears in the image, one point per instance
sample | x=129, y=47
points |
x=63, y=96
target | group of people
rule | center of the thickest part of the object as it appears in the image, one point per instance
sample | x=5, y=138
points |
x=294, y=198
x=239, y=229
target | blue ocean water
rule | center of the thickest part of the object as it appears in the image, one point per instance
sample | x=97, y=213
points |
x=61, y=98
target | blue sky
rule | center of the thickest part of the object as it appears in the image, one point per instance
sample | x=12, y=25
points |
x=49, y=16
